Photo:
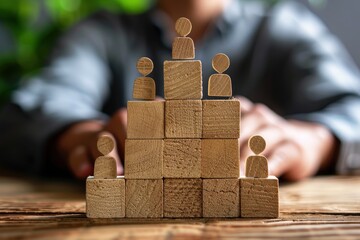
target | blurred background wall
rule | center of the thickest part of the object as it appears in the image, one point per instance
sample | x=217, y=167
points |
x=29, y=28
x=342, y=17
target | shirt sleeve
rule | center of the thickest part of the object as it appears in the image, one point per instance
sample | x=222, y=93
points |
x=320, y=81
x=71, y=88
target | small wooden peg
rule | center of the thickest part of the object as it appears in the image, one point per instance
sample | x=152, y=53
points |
x=220, y=62
x=183, y=26
x=257, y=144
x=145, y=66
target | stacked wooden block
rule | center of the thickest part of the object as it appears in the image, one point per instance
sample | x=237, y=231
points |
x=182, y=154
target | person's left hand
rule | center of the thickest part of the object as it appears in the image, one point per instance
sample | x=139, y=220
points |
x=295, y=149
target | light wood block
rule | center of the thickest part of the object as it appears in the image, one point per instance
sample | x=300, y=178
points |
x=105, y=168
x=183, y=48
x=105, y=198
x=220, y=158
x=182, y=198
x=143, y=159
x=144, y=88
x=221, y=118
x=221, y=198
x=145, y=120
x=256, y=166
x=183, y=80
x=183, y=119
x=144, y=198
x=182, y=158
x=220, y=85
x=259, y=197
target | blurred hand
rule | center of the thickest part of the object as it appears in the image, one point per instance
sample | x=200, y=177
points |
x=77, y=145
x=295, y=149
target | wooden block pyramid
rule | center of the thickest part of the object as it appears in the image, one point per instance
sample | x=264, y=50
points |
x=182, y=155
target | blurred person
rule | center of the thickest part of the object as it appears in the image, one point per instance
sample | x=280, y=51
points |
x=298, y=87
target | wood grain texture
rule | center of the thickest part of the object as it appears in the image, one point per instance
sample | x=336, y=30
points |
x=221, y=198
x=144, y=198
x=145, y=120
x=183, y=80
x=106, y=143
x=36, y=208
x=183, y=26
x=259, y=197
x=221, y=118
x=145, y=66
x=220, y=85
x=183, y=119
x=182, y=158
x=220, y=158
x=144, y=88
x=105, y=198
x=182, y=198
x=105, y=168
x=257, y=144
x=183, y=48
x=220, y=62
x=143, y=159
x=256, y=166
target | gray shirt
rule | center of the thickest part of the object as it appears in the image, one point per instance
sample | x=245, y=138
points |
x=283, y=57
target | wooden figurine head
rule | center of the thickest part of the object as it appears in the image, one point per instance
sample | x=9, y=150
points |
x=220, y=83
x=183, y=27
x=105, y=166
x=256, y=166
x=144, y=87
x=257, y=144
x=183, y=46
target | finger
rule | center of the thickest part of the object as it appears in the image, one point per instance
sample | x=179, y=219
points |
x=80, y=163
x=117, y=126
x=257, y=117
x=246, y=104
x=283, y=158
x=106, y=144
x=158, y=98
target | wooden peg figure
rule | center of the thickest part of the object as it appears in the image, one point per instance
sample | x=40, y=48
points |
x=144, y=87
x=183, y=46
x=256, y=166
x=105, y=166
x=220, y=83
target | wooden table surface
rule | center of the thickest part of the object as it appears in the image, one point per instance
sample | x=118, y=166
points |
x=319, y=208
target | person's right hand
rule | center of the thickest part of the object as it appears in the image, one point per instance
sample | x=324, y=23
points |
x=76, y=147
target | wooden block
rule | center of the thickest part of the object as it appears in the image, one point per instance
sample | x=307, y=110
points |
x=105, y=167
x=105, y=198
x=221, y=118
x=145, y=120
x=144, y=198
x=183, y=48
x=256, y=166
x=143, y=159
x=183, y=119
x=182, y=198
x=259, y=197
x=220, y=158
x=221, y=198
x=182, y=158
x=183, y=79
x=144, y=88
x=220, y=85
